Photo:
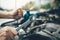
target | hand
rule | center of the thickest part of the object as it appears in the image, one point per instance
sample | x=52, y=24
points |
x=7, y=33
x=17, y=14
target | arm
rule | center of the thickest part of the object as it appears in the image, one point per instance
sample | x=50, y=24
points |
x=11, y=14
x=4, y=14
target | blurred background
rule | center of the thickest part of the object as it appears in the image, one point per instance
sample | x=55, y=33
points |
x=26, y=4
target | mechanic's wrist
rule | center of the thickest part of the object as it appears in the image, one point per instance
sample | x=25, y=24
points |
x=10, y=16
x=4, y=14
